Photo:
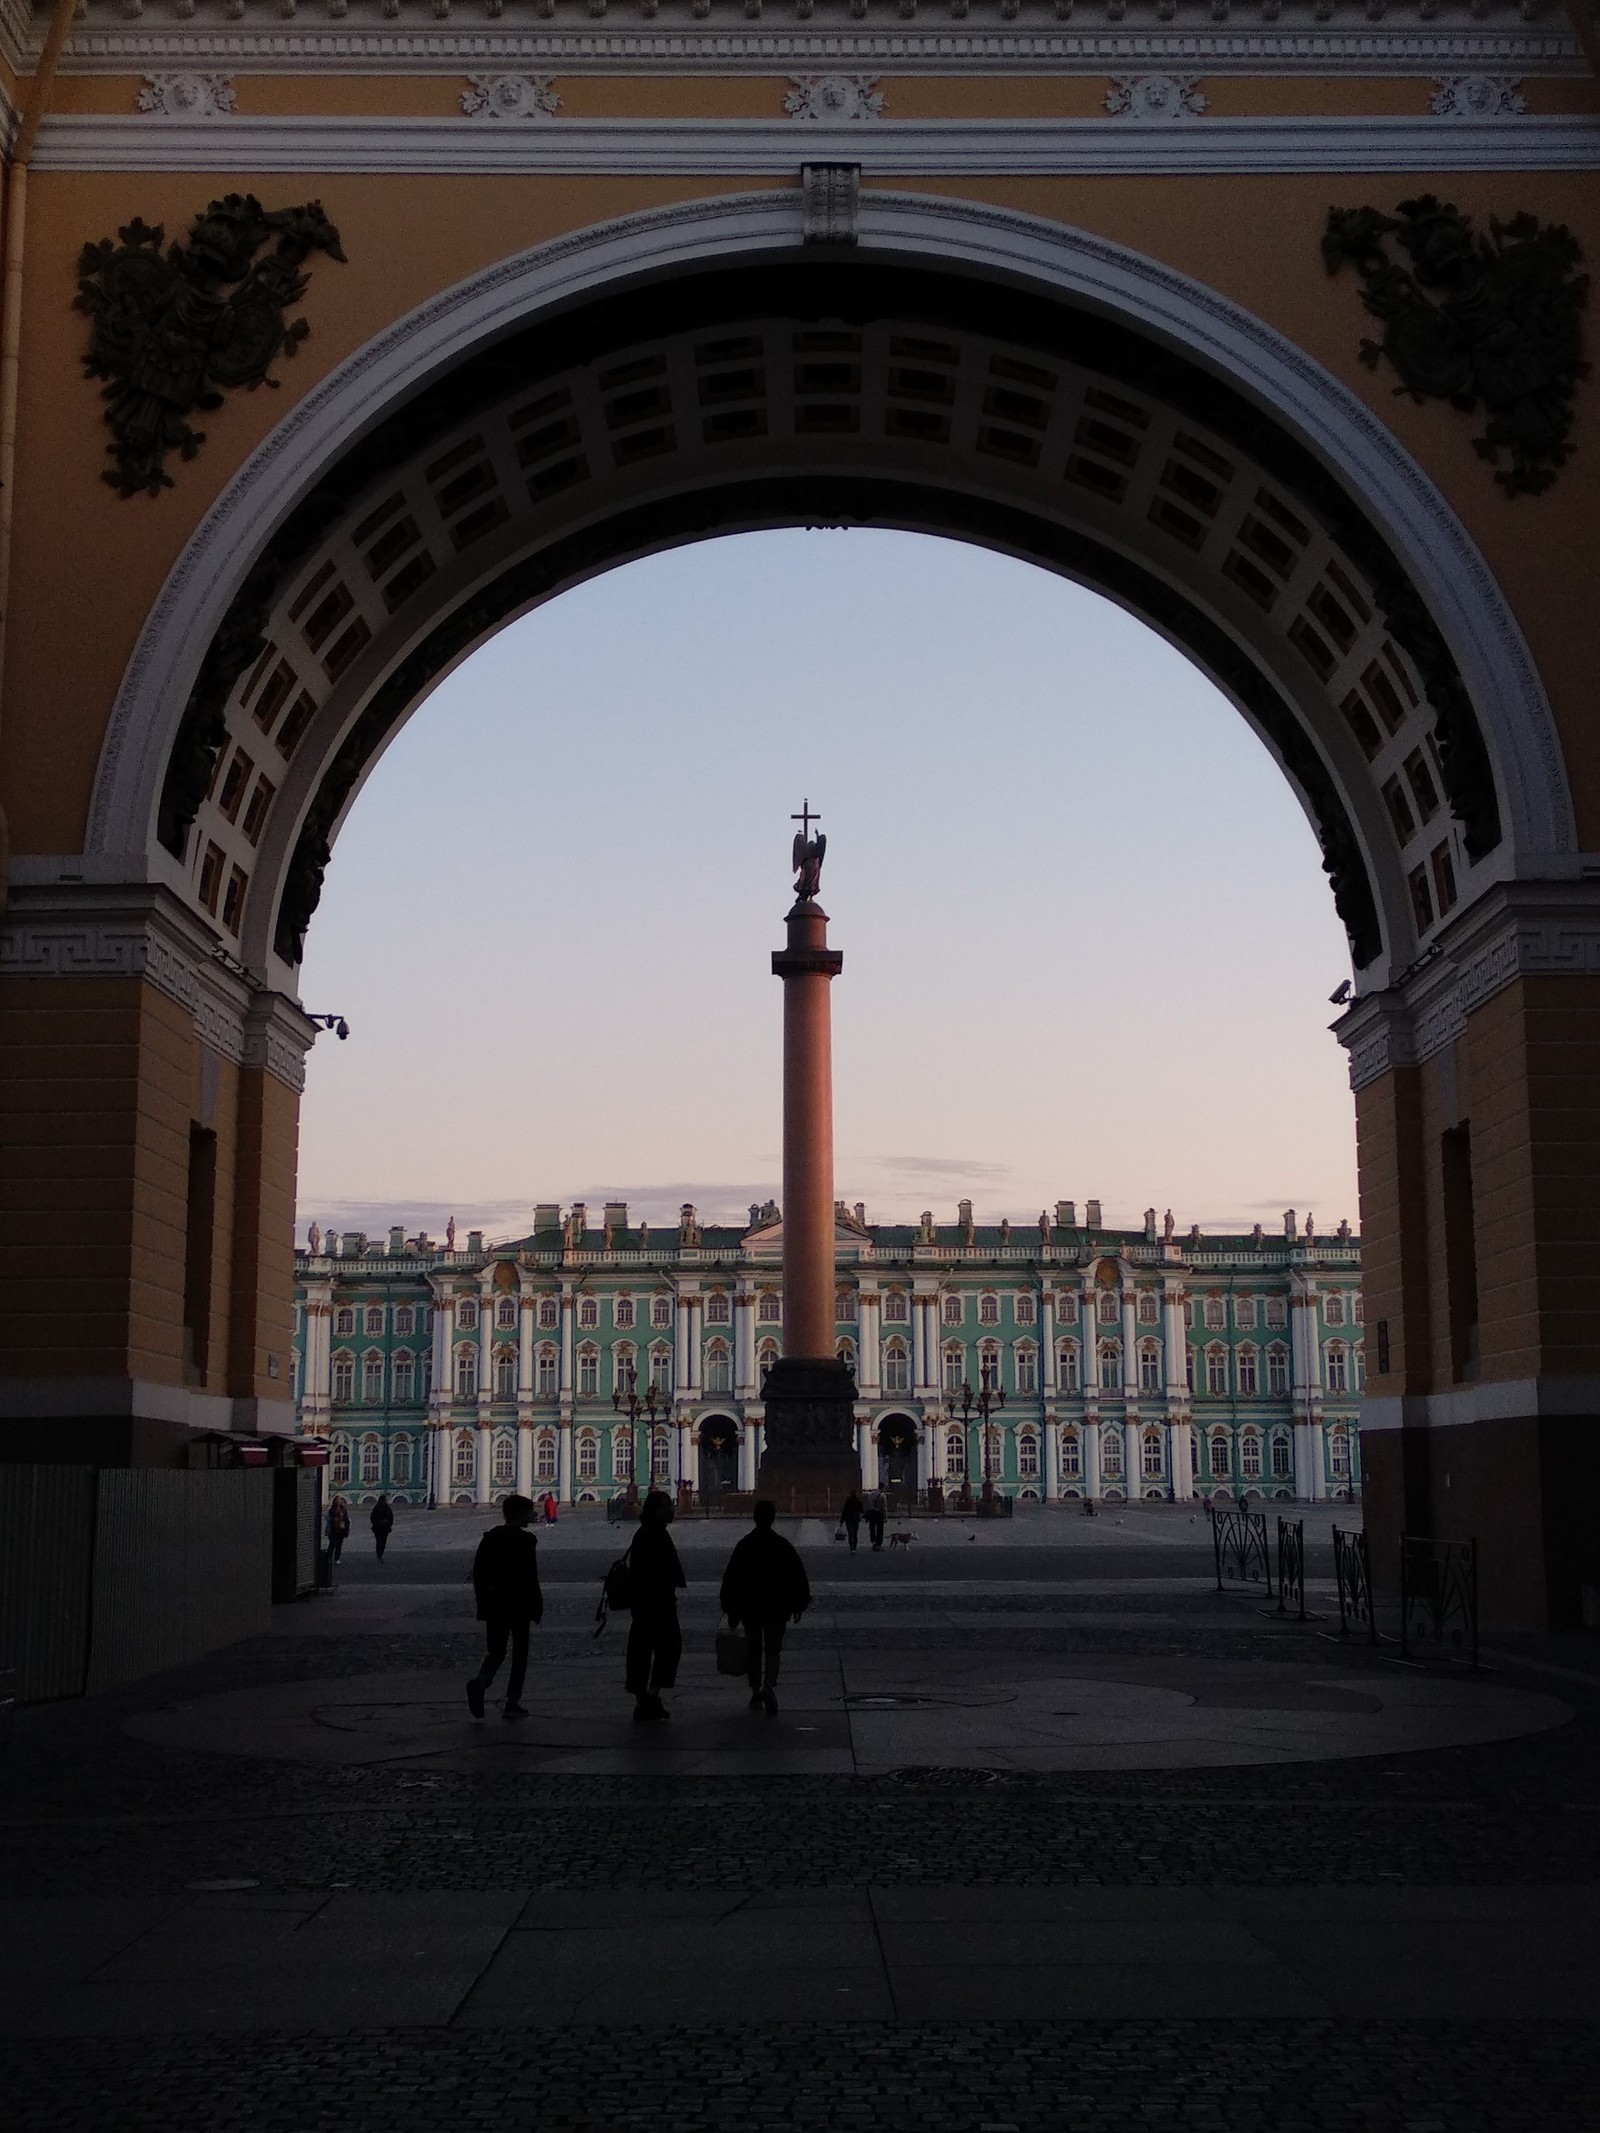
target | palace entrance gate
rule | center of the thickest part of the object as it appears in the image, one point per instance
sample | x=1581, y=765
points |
x=1021, y=285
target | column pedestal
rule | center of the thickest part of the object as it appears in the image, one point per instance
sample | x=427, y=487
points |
x=809, y=1464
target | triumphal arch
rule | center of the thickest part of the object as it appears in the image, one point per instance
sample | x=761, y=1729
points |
x=339, y=332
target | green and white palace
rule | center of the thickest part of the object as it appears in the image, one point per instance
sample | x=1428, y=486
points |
x=1132, y=1363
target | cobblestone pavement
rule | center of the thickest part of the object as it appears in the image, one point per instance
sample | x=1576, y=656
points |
x=983, y=2077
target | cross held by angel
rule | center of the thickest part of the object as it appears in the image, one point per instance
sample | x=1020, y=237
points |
x=808, y=854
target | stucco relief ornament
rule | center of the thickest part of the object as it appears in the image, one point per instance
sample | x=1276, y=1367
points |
x=1486, y=321
x=173, y=329
x=510, y=96
x=1476, y=96
x=188, y=95
x=1158, y=97
x=833, y=98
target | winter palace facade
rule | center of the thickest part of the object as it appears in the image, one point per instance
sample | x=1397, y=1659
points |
x=1132, y=1363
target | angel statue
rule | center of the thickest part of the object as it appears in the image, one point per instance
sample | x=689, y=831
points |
x=808, y=854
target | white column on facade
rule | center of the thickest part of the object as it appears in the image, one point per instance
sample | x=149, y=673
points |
x=444, y=1350
x=747, y=1455
x=693, y=1324
x=1089, y=1431
x=440, y=1437
x=525, y=1311
x=486, y=1309
x=564, y=1460
x=869, y=1373
x=867, y=1445
x=919, y=1376
x=1052, y=1459
x=1180, y=1450
x=568, y=1379
x=933, y=1463
x=1174, y=1343
x=1130, y=1343
x=744, y=1345
x=680, y=1346
x=1306, y=1352
x=1089, y=1340
x=485, y=1436
x=1049, y=1377
x=525, y=1457
x=686, y=1450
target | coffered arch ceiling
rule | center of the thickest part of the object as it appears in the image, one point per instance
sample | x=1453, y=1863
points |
x=837, y=391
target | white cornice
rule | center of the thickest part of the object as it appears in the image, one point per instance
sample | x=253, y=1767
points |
x=899, y=148
x=1438, y=37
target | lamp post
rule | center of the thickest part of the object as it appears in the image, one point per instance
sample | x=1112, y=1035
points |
x=990, y=1395
x=626, y=1395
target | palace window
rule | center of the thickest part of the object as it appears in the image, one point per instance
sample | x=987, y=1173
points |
x=344, y=1378
x=768, y=1308
x=505, y=1374
x=1250, y=1456
x=955, y=1454
x=548, y=1314
x=1218, y=1447
x=588, y=1373
x=622, y=1311
x=1333, y=1307
x=1111, y=1365
x=1150, y=1464
x=955, y=1369
x=375, y=1318
x=405, y=1378
x=1247, y=1372
x=1067, y=1307
x=988, y=1310
x=717, y=1310
x=1338, y=1455
x=545, y=1373
x=1108, y=1307
x=1111, y=1454
x=1358, y=1309
x=588, y=1313
x=466, y=1373
x=661, y=1455
x=661, y=1369
x=1244, y=1313
x=1026, y=1365
x=896, y=1367
x=719, y=1376
x=895, y=1311
x=372, y=1380
x=1358, y=1368
x=1071, y=1455
x=844, y=1307
x=463, y=1466
x=1188, y=1314
x=1023, y=1307
x=505, y=1460
x=588, y=1455
x=1188, y=1367
x=1149, y=1367
x=1216, y=1313
x=953, y=1310
x=660, y=1312
x=845, y=1353
x=1027, y=1456
x=1277, y=1311
x=403, y=1319
x=1280, y=1459
x=505, y=1314
x=427, y=1376
x=339, y=1463
x=344, y=1321
x=766, y=1357
x=1216, y=1371
x=466, y=1314
x=544, y=1456
x=1338, y=1376
x=622, y=1454
x=1149, y=1308
x=1277, y=1371
x=400, y=1462
x=1067, y=1366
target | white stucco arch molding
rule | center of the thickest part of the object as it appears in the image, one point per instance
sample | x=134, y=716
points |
x=1441, y=560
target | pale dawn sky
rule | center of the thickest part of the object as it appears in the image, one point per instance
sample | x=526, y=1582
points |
x=1088, y=943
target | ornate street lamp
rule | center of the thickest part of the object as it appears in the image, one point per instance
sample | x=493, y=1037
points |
x=991, y=1394
x=627, y=1395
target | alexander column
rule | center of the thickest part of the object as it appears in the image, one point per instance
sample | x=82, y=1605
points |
x=810, y=1460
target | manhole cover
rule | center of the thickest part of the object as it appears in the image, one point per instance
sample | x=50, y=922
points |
x=890, y=1703
x=940, y=1774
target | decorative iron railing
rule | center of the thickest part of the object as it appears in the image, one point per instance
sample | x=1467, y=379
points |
x=1438, y=1597
x=1292, y=1567
x=1239, y=1541
x=1353, y=1572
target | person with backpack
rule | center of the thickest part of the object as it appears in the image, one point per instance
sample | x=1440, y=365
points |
x=505, y=1580
x=654, y=1578
x=765, y=1587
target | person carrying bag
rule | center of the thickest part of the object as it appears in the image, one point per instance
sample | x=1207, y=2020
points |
x=764, y=1587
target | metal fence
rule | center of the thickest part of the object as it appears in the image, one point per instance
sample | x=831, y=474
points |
x=1239, y=1541
x=1353, y=1572
x=1292, y=1568
x=1438, y=1597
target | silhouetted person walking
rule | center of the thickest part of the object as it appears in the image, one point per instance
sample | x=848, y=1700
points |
x=877, y=1518
x=505, y=1578
x=765, y=1587
x=338, y=1526
x=655, y=1639
x=850, y=1514
x=382, y=1524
